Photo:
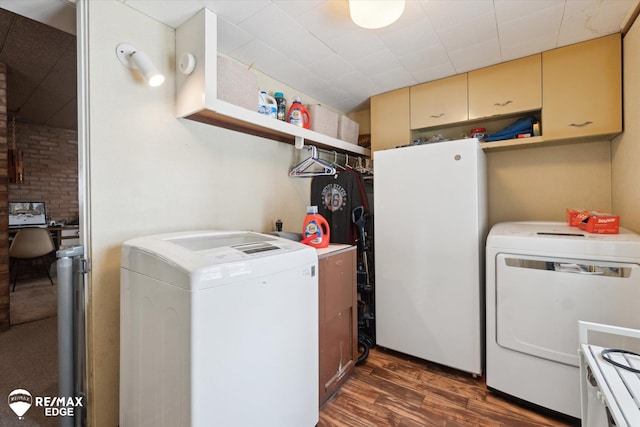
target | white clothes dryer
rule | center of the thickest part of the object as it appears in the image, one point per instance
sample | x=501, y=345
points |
x=542, y=278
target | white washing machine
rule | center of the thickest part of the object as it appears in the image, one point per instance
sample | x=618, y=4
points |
x=218, y=328
x=542, y=278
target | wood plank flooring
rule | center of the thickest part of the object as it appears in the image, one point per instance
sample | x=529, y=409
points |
x=392, y=389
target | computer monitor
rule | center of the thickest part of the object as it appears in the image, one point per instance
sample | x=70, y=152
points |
x=27, y=214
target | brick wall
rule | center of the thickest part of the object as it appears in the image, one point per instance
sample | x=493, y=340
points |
x=50, y=175
x=4, y=213
x=50, y=169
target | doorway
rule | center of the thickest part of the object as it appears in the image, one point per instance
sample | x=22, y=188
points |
x=38, y=63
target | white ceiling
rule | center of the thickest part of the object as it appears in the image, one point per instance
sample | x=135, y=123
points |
x=314, y=47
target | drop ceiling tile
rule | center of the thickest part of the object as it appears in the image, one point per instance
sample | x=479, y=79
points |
x=329, y=20
x=333, y=66
x=528, y=10
x=230, y=36
x=270, y=23
x=430, y=56
x=296, y=8
x=476, y=56
x=66, y=117
x=257, y=53
x=57, y=14
x=410, y=39
x=377, y=62
x=43, y=104
x=233, y=10
x=353, y=83
x=445, y=14
x=59, y=81
x=434, y=72
x=170, y=12
x=390, y=79
x=356, y=45
x=462, y=35
x=522, y=36
x=528, y=27
x=587, y=19
x=304, y=49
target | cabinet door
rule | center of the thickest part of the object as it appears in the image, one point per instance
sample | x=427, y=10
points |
x=439, y=102
x=338, y=321
x=338, y=286
x=390, y=119
x=507, y=88
x=582, y=89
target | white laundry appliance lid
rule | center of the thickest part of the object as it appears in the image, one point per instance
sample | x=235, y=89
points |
x=561, y=239
x=202, y=259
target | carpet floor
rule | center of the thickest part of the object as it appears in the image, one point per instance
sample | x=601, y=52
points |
x=33, y=299
x=29, y=350
x=29, y=360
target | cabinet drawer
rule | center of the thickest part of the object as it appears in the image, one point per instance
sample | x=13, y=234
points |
x=337, y=279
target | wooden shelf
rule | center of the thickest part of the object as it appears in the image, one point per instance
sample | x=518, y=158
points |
x=197, y=94
x=229, y=116
x=514, y=142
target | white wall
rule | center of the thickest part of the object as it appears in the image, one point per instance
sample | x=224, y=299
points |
x=150, y=172
x=626, y=147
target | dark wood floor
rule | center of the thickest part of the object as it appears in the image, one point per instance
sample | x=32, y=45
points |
x=392, y=389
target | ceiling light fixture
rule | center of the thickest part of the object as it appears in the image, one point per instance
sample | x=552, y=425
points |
x=138, y=60
x=373, y=14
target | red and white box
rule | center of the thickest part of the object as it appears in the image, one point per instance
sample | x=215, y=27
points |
x=600, y=222
x=574, y=216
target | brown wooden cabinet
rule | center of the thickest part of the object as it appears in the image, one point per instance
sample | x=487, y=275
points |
x=439, y=102
x=506, y=88
x=582, y=89
x=338, y=319
x=390, y=120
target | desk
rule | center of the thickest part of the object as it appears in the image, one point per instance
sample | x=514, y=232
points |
x=66, y=232
x=58, y=233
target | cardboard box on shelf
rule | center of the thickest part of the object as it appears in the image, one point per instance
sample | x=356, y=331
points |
x=323, y=120
x=237, y=84
x=348, y=130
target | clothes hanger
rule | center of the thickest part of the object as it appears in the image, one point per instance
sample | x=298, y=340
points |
x=312, y=166
x=335, y=162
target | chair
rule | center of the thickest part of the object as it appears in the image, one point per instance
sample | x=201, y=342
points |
x=30, y=243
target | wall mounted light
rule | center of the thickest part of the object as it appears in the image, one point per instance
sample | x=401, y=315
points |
x=373, y=14
x=138, y=60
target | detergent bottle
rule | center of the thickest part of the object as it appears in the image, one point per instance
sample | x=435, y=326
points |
x=267, y=105
x=298, y=115
x=315, y=229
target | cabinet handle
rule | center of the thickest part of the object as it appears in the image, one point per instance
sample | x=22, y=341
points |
x=581, y=125
x=438, y=116
x=503, y=104
x=339, y=262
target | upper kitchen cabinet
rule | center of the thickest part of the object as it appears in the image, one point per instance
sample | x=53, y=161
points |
x=507, y=88
x=582, y=89
x=197, y=92
x=390, y=119
x=439, y=102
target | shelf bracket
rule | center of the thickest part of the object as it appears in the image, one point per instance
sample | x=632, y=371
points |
x=299, y=142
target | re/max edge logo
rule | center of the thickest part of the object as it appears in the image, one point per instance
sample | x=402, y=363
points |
x=20, y=401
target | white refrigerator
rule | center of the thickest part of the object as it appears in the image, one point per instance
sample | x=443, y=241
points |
x=430, y=228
